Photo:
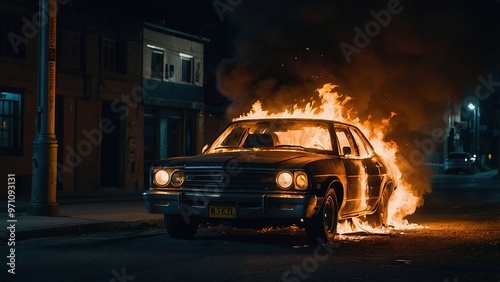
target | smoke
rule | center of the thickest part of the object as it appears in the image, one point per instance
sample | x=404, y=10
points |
x=286, y=49
x=415, y=64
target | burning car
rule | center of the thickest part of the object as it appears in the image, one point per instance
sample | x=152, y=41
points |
x=274, y=172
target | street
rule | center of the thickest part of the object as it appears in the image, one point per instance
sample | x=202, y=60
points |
x=457, y=239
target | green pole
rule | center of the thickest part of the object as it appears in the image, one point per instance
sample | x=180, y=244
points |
x=43, y=192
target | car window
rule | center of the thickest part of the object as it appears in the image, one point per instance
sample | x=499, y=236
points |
x=345, y=141
x=234, y=137
x=363, y=147
x=316, y=137
x=274, y=134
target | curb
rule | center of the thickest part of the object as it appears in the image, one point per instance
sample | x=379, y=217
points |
x=84, y=229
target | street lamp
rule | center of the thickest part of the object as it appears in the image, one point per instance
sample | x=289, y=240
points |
x=475, y=131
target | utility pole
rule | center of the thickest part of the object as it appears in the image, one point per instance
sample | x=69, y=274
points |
x=43, y=192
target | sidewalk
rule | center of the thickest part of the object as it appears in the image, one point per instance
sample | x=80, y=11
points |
x=104, y=210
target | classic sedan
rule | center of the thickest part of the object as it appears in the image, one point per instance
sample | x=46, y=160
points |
x=274, y=172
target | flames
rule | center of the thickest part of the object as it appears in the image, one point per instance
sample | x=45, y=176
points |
x=331, y=105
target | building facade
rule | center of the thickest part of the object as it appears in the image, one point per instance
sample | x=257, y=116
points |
x=173, y=79
x=126, y=93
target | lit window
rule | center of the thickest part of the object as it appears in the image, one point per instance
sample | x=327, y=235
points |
x=186, y=68
x=157, y=64
x=187, y=72
x=10, y=123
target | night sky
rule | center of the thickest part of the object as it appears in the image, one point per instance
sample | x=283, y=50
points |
x=427, y=52
x=417, y=61
x=426, y=55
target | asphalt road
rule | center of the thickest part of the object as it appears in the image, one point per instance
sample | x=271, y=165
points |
x=459, y=240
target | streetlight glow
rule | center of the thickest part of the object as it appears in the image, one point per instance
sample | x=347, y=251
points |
x=475, y=131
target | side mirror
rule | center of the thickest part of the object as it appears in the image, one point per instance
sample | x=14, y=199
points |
x=346, y=150
x=204, y=149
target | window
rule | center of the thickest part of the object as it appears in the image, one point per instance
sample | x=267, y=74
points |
x=346, y=143
x=70, y=49
x=12, y=40
x=10, y=123
x=114, y=55
x=109, y=54
x=157, y=64
x=363, y=147
x=186, y=68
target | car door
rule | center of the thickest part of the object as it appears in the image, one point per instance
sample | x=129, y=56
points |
x=372, y=166
x=355, y=172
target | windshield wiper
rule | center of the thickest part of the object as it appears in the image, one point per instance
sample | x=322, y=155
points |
x=231, y=147
x=291, y=146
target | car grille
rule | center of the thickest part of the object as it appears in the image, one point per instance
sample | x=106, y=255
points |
x=218, y=180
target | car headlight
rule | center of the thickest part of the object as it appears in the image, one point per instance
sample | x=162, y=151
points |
x=161, y=178
x=301, y=182
x=177, y=178
x=284, y=179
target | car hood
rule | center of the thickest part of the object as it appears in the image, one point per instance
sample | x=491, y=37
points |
x=244, y=159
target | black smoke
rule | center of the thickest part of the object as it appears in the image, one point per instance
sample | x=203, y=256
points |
x=415, y=63
x=424, y=56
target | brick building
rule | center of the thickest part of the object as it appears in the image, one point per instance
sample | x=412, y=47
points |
x=109, y=117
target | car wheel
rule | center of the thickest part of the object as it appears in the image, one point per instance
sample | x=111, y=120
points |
x=180, y=228
x=324, y=224
x=379, y=217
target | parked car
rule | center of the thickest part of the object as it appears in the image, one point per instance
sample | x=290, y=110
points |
x=460, y=162
x=274, y=172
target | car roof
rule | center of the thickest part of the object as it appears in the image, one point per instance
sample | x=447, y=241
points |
x=295, y=119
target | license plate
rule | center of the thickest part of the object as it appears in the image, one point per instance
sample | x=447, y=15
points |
x=221, y=211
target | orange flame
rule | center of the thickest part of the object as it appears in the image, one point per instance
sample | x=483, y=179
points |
x=403, y=201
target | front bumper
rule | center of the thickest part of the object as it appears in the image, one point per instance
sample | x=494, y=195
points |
x=262, y=205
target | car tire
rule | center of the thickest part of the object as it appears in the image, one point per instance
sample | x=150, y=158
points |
x=179, y=227
x=379, y=217
x=323, y=225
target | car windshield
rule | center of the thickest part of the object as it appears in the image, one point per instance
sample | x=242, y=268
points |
x=274, y=135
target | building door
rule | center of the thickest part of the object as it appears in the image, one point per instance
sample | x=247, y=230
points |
x=171, y=144
x=111, y=158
